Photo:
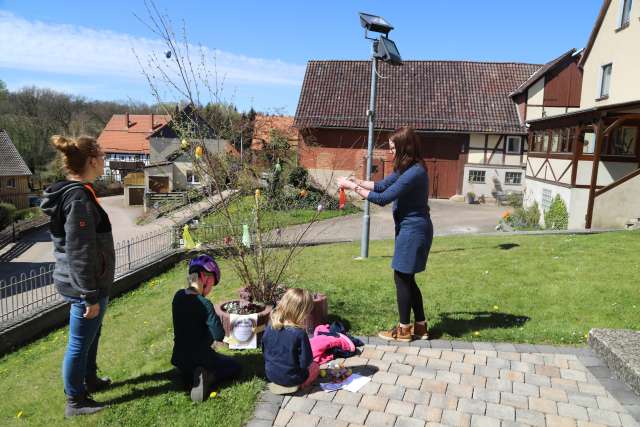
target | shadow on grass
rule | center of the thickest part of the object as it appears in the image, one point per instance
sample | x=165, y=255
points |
x=507, y=246
x=503, y=246
x=457, y=324
x=171, y=380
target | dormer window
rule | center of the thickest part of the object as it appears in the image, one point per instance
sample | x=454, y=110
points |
x=625, y=15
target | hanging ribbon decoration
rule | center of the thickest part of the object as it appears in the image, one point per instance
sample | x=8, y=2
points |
x=342, y=200
x=246, y=237
x=186, y=237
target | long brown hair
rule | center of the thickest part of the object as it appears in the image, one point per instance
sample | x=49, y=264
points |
x=408, y=149
x=76, y=151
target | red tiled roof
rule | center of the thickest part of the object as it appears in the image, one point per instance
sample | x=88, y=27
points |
x=457, y=96
x=117, y=137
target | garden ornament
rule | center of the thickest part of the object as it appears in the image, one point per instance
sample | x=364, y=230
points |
x=246, y=237
x=343, y=199
x=199, y=151
x=187, y=239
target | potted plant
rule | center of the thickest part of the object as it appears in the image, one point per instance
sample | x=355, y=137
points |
x=471, y=197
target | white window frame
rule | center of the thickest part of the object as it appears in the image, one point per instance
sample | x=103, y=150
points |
x=624, y=20
x=194, y=177
x=511, y=138
x=512, y=183
x=601, y=85
x=480, y=172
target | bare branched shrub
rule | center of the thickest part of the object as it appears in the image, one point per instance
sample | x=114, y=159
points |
x=259, y=246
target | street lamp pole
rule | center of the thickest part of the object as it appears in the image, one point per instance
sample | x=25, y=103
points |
x=385, y=49
x=366, y=219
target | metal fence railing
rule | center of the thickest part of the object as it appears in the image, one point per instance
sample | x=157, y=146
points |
x=29, y=292
x=24, y=293
x=142, y=250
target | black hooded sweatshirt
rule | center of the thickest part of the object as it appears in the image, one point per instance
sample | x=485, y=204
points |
x=82, y=240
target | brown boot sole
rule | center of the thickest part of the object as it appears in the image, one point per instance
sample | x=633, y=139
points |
x=388, y=338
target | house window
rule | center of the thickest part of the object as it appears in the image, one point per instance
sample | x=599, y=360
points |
x=605, y=81
x=589, y=142
x=537, y=141
x=625, y=16
x=546, y=199
x=11, y=183
x=513, y=178
x=545, y=142
x=476, y=176
x=565, y=140
x=192, y=178
x=513, y=144
x=555, y=141
x=623, y=141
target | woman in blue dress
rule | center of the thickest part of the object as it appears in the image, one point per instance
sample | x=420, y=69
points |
x=408, y=188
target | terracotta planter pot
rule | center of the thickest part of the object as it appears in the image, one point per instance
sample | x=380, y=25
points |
x=225, y=317
x=320, y=313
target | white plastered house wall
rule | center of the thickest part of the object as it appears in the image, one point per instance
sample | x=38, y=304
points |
x=617, y=46
x=505, y=176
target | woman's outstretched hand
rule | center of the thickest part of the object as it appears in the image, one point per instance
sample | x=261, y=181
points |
x=346, y=183
x=91, y=311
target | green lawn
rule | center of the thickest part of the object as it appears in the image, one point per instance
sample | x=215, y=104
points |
x=243, y=208
x=540, y=289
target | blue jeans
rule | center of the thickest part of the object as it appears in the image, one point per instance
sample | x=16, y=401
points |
x=80, y=358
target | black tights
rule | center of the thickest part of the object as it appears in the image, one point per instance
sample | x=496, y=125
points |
x=409, y=297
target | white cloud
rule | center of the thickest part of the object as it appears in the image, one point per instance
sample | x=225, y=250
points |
x=81, y=51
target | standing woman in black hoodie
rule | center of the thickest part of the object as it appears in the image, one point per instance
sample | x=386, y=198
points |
x=85, y=264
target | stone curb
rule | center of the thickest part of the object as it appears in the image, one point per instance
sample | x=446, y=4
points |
x=620, y=349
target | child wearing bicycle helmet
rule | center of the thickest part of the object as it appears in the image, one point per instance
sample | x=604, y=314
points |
x=195, y=327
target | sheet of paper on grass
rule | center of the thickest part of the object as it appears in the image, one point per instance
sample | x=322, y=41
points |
x=353, y=383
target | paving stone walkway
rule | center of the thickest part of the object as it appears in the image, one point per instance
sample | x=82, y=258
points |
x=433, y=383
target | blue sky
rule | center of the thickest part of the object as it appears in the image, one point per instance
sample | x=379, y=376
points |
x=85, y=47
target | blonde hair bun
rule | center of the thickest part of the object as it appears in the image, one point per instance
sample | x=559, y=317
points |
x=63, y=144
x=75, y=151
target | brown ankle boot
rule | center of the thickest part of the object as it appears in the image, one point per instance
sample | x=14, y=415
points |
x=397, y=333
x=419, y=331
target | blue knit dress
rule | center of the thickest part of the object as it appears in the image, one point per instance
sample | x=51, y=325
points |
x=409, y=192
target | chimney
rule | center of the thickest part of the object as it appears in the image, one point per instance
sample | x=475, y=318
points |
x=126, y=120
x=152, y=126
